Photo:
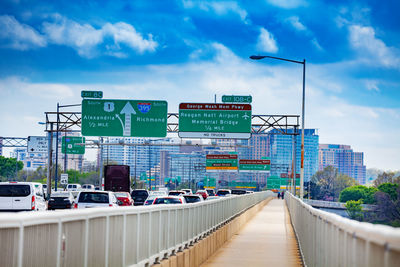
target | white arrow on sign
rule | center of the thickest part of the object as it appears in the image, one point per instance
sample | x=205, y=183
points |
x=127, y=110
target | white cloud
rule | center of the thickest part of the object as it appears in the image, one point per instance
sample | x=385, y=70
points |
x=375, y=51
x=316, y=44
x=48, y=91
x=85, y=39
x=287, y=4
x=266, y=42
x=220, y=8
x=19, y=36
x=296, y=24
x=123, y=33
x=372, y=85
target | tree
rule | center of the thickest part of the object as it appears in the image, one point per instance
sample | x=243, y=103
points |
x=354, y=209
x=341, y=182
x=388, y=209
x=386, y=177
x=358, y=192
x=324, y=180
x=328, y=183
x=390, y=189
x=9, y=167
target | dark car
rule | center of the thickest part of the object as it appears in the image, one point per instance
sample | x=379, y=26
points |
x=238, y=192
x=176, y=193
x=210, y=192
x=169, y=200
x=193, y=198
x=139, y=196
x=60, y=200
x=223, y=192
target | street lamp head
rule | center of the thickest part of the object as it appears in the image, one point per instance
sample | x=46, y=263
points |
x=257, y=57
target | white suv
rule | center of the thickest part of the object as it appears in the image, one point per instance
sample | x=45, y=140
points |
x=21, y=196
x=95, y=199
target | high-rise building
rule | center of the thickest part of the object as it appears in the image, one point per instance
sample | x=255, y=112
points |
x=1, y=146
x=344, y=159
x=31, y=161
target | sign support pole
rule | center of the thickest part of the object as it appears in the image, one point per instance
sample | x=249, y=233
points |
x=101, y=163
x=49, y=159
x=56, y=171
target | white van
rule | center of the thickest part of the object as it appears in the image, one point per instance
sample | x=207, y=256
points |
x=88, y=187
x=21, y=196
x=74, y=187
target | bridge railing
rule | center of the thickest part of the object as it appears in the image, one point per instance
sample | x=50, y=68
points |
x=137, y=236
x=327, y=239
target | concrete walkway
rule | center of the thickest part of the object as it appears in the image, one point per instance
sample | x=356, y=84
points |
x=266, y=240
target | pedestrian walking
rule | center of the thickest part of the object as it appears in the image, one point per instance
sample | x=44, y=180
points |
x=283, y=194
x=279, y=195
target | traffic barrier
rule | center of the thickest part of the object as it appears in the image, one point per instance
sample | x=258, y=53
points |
x=327, y=239
x=124, y=236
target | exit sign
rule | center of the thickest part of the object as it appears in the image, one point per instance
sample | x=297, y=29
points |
x=236, y=99
x=91, y=94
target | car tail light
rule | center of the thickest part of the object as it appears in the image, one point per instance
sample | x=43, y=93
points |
x=110, y=205
x=33, y=203
x=75, y=205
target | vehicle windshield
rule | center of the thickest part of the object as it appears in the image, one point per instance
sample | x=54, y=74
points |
x=139, y=194
x=192, y=199
x=14, y=190
x=93, y=197
x=60, y=194
x=210, y=192
x=223, y=193
x=176, y=193
x=238, y=192
x=167, y=201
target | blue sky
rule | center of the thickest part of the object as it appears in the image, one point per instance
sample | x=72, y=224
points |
x=187, y=51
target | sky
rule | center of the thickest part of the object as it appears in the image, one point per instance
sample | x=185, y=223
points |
x=190, y=51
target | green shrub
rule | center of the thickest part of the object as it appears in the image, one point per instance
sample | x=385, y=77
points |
x=354, y=209
x=358, y=192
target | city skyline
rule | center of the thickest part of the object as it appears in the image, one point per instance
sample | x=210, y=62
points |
x=51, y=51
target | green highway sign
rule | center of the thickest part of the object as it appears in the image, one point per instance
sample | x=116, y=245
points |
x=214, y=120
x=237, y=98
x=91, y=94
x=274, y=182
x=254, y=165
x=72, y=145
x=209, y=182
x=242, y=184
x=125, y=118
x=224, y=163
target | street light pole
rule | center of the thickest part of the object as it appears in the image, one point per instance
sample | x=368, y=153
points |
x=302, y=116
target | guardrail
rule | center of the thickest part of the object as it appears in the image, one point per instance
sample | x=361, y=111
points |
x=327, y=239
x=138, y=236
x=335, y=205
